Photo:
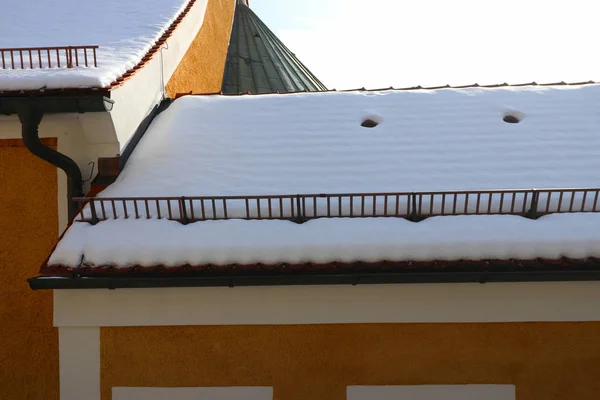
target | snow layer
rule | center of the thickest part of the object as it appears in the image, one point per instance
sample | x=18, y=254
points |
x=313, y=143
x=155, y=242
x=124, y=29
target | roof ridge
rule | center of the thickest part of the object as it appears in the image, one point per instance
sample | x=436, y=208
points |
x=363, y=89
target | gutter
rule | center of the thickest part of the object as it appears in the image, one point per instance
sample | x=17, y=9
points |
x=127, y=282
x=141, y=130
x=30, y=120
x=31, y=110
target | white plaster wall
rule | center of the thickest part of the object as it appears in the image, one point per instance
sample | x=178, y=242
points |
x=137, y=96
x=394, y=303
x=98, y=128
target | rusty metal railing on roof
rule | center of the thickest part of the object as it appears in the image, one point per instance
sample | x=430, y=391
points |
x=414, y=206
x=48, y=57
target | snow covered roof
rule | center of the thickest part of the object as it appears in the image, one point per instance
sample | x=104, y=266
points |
x=124, y=30
x=448, y=139
x=314, y=143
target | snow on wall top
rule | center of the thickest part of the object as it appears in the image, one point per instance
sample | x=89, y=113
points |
x=124, y=29
x=314, y=143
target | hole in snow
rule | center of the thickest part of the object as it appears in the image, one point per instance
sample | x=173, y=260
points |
x=513, y=117
x=371, y=121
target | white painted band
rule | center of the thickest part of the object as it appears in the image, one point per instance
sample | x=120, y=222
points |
x=432, y=392
x=468, y=302
x=193, y=393
x=79, y=363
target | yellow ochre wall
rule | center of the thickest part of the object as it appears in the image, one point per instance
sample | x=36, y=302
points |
x=28, y=230
x=546, y=361
x=202, y=67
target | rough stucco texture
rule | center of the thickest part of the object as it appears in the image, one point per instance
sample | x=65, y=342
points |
x=546, y=361
x=28, y=230
x=202, y=67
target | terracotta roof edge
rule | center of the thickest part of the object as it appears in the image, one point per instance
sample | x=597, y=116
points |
x=149, y=55
x=474, y=85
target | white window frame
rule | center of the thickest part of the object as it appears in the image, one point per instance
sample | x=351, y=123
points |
x=431, y=392
x=193, y=393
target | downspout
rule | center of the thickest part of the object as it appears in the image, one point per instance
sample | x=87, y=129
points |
x=30, y=118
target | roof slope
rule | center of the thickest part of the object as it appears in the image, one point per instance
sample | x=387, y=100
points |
x=445, y=139
x=124, y=30
x=448, y=139
x=258, y=62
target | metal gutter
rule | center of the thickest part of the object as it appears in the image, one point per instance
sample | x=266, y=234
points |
x=123, y=282
x=30, y=120
x=31, y=110
x=60, y=103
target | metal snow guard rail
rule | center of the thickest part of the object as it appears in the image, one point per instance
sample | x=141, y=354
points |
x=43, y=57
x=414, y=206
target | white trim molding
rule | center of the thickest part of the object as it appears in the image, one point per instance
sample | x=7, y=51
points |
x=79, y=356
x=432, y=392
x=394, y=303
x=193, y=393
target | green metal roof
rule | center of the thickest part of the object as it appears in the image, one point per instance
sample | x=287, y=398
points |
x=258, y=62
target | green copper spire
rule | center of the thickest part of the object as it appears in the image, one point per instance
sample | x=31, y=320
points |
x=258, y=62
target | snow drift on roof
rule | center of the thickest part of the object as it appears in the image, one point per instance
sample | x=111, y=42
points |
x=150, y=242
x=124, y=29
x=314, y=143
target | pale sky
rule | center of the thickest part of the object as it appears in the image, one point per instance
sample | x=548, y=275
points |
x=381, y=43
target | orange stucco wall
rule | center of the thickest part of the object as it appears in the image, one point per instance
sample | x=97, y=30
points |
x=546, y=361
x=28, y=230
x=202, y=67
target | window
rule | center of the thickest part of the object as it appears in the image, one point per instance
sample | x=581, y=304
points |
x=193, y=393
x=432, y=392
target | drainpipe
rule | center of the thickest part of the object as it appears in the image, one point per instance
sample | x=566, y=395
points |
x=31, y=117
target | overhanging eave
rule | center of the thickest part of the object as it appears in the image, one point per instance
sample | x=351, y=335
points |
x=57, y=104
x=122, y=282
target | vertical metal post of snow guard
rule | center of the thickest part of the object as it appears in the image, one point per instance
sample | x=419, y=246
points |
x=69, y=55
x=95, y=219
x=300, y=211
x=532, y=213
x=183, y=218
x=412, y=200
